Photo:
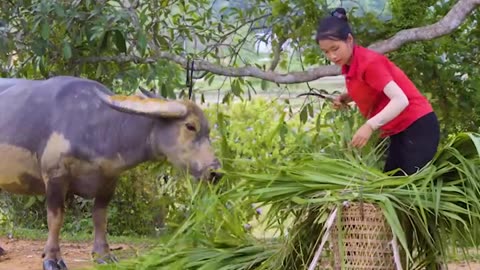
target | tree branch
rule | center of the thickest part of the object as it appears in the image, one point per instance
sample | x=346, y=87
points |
x=449, y=23
x=224, y=36
x=454, y=18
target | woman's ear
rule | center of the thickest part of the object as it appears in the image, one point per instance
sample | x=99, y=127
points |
x=350, y=40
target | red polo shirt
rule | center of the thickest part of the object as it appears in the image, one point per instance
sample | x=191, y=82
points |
x=366, y=77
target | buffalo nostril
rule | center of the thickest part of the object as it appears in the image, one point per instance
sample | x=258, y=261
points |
x=215, y=177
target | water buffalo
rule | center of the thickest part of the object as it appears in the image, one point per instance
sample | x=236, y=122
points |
x=67, y=135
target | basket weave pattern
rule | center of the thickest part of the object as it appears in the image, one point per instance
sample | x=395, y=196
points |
x=365, y=239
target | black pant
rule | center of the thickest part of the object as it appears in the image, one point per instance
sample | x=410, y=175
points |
x=410, y=150
x=413, y=148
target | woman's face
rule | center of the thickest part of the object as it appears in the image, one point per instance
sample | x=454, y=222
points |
x=338, y=51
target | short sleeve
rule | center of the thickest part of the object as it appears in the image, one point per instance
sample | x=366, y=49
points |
x=377, y=74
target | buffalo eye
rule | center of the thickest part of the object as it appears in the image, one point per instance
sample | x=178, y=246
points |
x=191, y=127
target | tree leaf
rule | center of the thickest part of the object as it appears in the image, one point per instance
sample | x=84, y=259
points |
x=99, y=71
x=59, y=10
x=264, y=85
x=67, y=50
x=210, y=80
x=164, y=90
x=30, y=202
x=236, y=88
x=304, y=114
x=105, y=41
x=120, y=41
x=45, y=30
x=142, y=42
x=310, y=109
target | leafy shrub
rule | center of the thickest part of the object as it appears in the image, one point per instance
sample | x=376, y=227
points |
x=257, y=130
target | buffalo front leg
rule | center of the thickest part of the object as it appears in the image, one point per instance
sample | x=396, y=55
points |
x=2, y=251
x=101, y=250
x=56, y=189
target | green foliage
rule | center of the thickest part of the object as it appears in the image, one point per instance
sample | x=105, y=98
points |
x=272, y=132
x=140, y=204
x=26, y=211
x=120, y=46
x=258, y=130
x=55, y=37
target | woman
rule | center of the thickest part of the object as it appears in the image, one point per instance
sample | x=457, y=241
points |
x=385, y=96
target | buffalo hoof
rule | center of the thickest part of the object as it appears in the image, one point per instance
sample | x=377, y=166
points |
x=106, y=259
x=62, y=265
x=51, y=264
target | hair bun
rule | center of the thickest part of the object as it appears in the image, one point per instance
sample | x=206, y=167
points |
x=340, y=13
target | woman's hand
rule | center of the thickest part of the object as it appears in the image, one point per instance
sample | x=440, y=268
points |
x=341, y=101
x=362, y=136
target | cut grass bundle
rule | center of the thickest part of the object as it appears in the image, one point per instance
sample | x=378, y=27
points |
x=429, y=212
x=440, y=200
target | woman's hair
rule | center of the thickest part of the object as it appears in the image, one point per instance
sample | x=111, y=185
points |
x=334, y=27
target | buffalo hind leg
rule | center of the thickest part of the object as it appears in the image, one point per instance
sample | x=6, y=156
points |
x=56, y=190
x=101, y=250
x=2, y=251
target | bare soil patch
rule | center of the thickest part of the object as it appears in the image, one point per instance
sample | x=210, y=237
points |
x=26, y=254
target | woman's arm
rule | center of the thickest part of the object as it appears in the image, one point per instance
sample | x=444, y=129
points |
x=398, y=102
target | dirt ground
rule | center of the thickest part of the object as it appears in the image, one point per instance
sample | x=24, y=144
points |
x=26, y=255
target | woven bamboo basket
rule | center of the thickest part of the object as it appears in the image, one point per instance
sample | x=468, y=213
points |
x=364, y=239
